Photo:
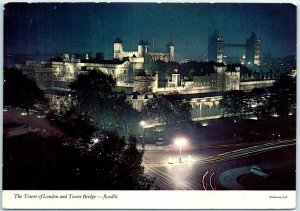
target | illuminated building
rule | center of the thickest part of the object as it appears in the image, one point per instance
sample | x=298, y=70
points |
x=217, y=50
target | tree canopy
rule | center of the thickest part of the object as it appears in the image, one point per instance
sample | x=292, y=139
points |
x=20, y=91
x=258, y=100
x=107, y=109
x=234, y=104
x=282, y=98
x=92, y=90
x=57, y=164
x=167, y=109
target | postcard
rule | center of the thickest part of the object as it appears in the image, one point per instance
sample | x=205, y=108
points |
x=149, y=105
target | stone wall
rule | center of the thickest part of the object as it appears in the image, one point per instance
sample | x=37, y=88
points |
x=249, y=85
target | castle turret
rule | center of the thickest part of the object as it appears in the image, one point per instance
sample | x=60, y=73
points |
x=170, y=50
x=147, y=47
x=118, y=49
x=142, y=48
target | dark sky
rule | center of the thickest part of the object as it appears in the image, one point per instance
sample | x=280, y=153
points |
x=82, y=27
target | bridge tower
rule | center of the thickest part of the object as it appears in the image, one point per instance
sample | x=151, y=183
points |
x=253, y=50
x=215, y=48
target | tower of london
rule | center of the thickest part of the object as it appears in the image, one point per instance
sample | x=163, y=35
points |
x=131, y=70
x=143, y=56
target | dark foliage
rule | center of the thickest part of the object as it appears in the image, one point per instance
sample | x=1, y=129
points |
x=282, y=100
x=258, y=99
x=108, y=110
x=74, y=124
x=92, y=90
x=234, y=104
x=167, y=109
x=19, y=91
x=51, y=164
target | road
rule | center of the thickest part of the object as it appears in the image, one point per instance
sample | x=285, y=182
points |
x=190, y=173
x=28, y=123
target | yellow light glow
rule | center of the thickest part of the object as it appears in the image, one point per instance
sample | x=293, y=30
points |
x=180, y=141
x=142, y=123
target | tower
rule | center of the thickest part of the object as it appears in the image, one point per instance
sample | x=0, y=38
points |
x=253, y=50
x=220, y=51
x=212, y=46
x=142, y=48
x=215, y=48
x=118, y=49
x=170, y=50
x=147, y=47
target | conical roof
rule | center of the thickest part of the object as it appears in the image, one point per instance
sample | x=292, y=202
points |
x=118, y=40
x=170, y=44
x=141, y=42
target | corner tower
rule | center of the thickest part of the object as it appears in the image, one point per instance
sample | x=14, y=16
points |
x=170, y=50
x=143, y=48
x=118, y=49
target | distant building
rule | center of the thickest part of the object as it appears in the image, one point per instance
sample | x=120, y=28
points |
x=217, y=50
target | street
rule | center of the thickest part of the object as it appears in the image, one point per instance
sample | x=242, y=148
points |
x=205, y=168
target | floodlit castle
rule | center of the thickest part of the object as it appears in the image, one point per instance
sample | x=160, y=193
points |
x=142, y=58
x=130, y=69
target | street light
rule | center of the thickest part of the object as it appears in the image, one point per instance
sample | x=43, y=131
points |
x=95, y=140
x=180, y=141
x=142, y=123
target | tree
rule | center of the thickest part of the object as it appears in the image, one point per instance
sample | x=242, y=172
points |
x=57, y=164
x=123, y=164
x=92, y=90
x=113, y=164
x=234, y=104
x=74, y=124
x=20, y=91
x=108, y=110
x=258, y=99
x=182, y=107
x=167, y=109
x=282, y=98
x=158, y=109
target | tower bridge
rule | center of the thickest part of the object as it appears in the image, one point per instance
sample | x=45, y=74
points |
x=250, y=57
x=235, y=45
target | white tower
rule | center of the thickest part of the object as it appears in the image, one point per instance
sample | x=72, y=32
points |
x=118, y=49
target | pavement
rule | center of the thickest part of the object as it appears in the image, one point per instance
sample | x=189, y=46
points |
x=229, y=178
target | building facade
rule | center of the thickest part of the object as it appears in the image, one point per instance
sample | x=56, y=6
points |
x=129, y=69
x=142, y=58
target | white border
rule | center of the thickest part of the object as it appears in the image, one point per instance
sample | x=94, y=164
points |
x=156, y=199
x=151, y=200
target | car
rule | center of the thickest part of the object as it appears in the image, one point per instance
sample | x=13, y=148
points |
x=257, y=171
x=159, y=142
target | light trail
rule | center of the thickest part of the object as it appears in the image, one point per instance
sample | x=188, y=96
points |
x=162, y=176
x=249, y=151
x=166, y=179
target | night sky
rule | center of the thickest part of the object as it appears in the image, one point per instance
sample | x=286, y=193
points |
x=93, y=27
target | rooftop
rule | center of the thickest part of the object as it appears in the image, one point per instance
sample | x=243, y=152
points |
x=118, y=40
